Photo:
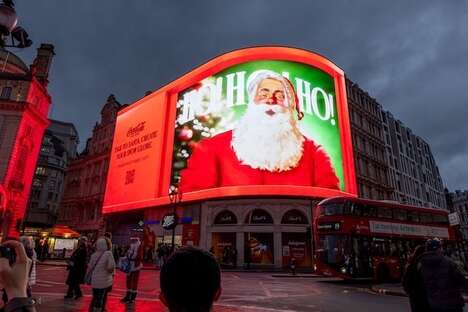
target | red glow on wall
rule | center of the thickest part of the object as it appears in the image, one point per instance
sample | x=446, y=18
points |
x=140, y=177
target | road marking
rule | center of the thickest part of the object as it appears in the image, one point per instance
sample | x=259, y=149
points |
x=267, y=292
x=252, y=307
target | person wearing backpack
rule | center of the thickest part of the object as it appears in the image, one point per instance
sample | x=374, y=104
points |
x=441, y=279
x=101, y=274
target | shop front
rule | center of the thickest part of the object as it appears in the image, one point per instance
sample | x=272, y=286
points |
x=258, y=233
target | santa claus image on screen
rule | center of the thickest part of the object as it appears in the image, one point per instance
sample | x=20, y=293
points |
x=265, y=147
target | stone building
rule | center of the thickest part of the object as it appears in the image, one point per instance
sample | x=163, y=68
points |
x=371, y=166
x=391, y=162
x=414, y=174
x=57, y=151
x=24, y=107
x=85, y=181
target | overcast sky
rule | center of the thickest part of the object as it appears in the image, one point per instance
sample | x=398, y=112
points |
x=412, y=56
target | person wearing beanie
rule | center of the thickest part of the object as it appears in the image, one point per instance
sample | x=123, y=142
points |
x=266, y=146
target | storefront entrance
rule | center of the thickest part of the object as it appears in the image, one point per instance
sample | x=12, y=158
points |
x=263, y=234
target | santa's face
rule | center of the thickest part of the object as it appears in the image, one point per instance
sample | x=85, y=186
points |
x=267, y=137
x=270, y=91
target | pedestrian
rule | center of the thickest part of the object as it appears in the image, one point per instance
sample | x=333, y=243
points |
x=234, y=256
x=77, y=269
x=441, y=279
x=135, y=257
x=101, y=274
x=28, y=244
x=412, y=282
x=189, y=287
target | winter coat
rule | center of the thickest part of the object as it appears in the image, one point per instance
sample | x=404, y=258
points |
x=442, y=281
x=413, y=286
x=135, y=255
x=77, y=266
x=102, y=265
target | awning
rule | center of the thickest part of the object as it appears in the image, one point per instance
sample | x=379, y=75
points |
x=63, y=231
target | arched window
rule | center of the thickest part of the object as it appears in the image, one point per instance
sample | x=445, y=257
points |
x=294, y=216
x=225, y=217
x=258, y=216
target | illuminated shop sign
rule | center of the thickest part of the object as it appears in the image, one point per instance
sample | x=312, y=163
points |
x=258, y=121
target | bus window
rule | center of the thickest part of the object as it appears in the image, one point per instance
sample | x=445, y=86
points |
x=425, y=217
x=368, y=211
x=413, y=216
x=440, y=219
x=400, y=214
x=356, y=210
x=331, y=209
x=384, y=212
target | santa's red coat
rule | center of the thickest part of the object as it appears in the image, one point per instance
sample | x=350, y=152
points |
x=214, y=163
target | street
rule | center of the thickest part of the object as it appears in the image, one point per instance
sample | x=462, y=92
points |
x=242, y=291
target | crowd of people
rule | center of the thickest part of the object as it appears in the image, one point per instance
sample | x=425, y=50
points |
x=432, y=281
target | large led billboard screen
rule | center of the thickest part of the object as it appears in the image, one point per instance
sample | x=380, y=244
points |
x=257, y=121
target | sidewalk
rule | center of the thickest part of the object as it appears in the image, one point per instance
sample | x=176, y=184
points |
x=395, y=290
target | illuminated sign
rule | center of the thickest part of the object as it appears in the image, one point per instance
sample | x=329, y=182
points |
x=257, y=121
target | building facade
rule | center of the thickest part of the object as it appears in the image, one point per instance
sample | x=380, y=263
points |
x=414, y=174
x=24, y=107
x=58, y=149
x=372, y=170
x=391, y=162
x=85, y=181
x=458, y=202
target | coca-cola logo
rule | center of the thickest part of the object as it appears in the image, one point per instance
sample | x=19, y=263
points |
x=136, y=130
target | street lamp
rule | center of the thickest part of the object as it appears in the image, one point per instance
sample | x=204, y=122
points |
x=8, y=28
x=170, y=221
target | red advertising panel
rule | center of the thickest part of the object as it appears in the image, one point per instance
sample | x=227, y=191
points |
x=135, y=163
x=253, y=122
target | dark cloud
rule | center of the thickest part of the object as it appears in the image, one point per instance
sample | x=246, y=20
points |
x=409, y=55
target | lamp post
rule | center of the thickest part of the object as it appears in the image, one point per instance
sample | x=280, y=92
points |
x=175, y=196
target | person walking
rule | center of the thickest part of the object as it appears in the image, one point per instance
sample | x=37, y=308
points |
x=28, y=244
x=77, y=269
x=412, y=283
x=134, y=256
x=441, y=279
x=101, y=273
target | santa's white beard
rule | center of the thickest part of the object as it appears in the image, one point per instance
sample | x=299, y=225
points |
x=272, y=143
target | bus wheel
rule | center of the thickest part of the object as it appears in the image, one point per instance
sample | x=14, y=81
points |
x=383, y=274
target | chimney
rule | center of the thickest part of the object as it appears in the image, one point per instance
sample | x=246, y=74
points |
x=42, y=62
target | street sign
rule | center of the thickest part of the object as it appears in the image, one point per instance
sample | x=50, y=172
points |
x=454, y=219
x=169, y=221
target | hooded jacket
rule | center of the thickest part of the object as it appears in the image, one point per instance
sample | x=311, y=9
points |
x=442, y=281
x=103, y=263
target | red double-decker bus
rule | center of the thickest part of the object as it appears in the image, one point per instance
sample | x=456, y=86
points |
x=356, y=238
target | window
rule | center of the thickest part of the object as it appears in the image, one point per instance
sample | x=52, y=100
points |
x=400, y=214
x=41, y=170
x=384, y=212
x=425, y=217
x=413, y=216
x=6, y=93
x=440, y=219
x=333, y=208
